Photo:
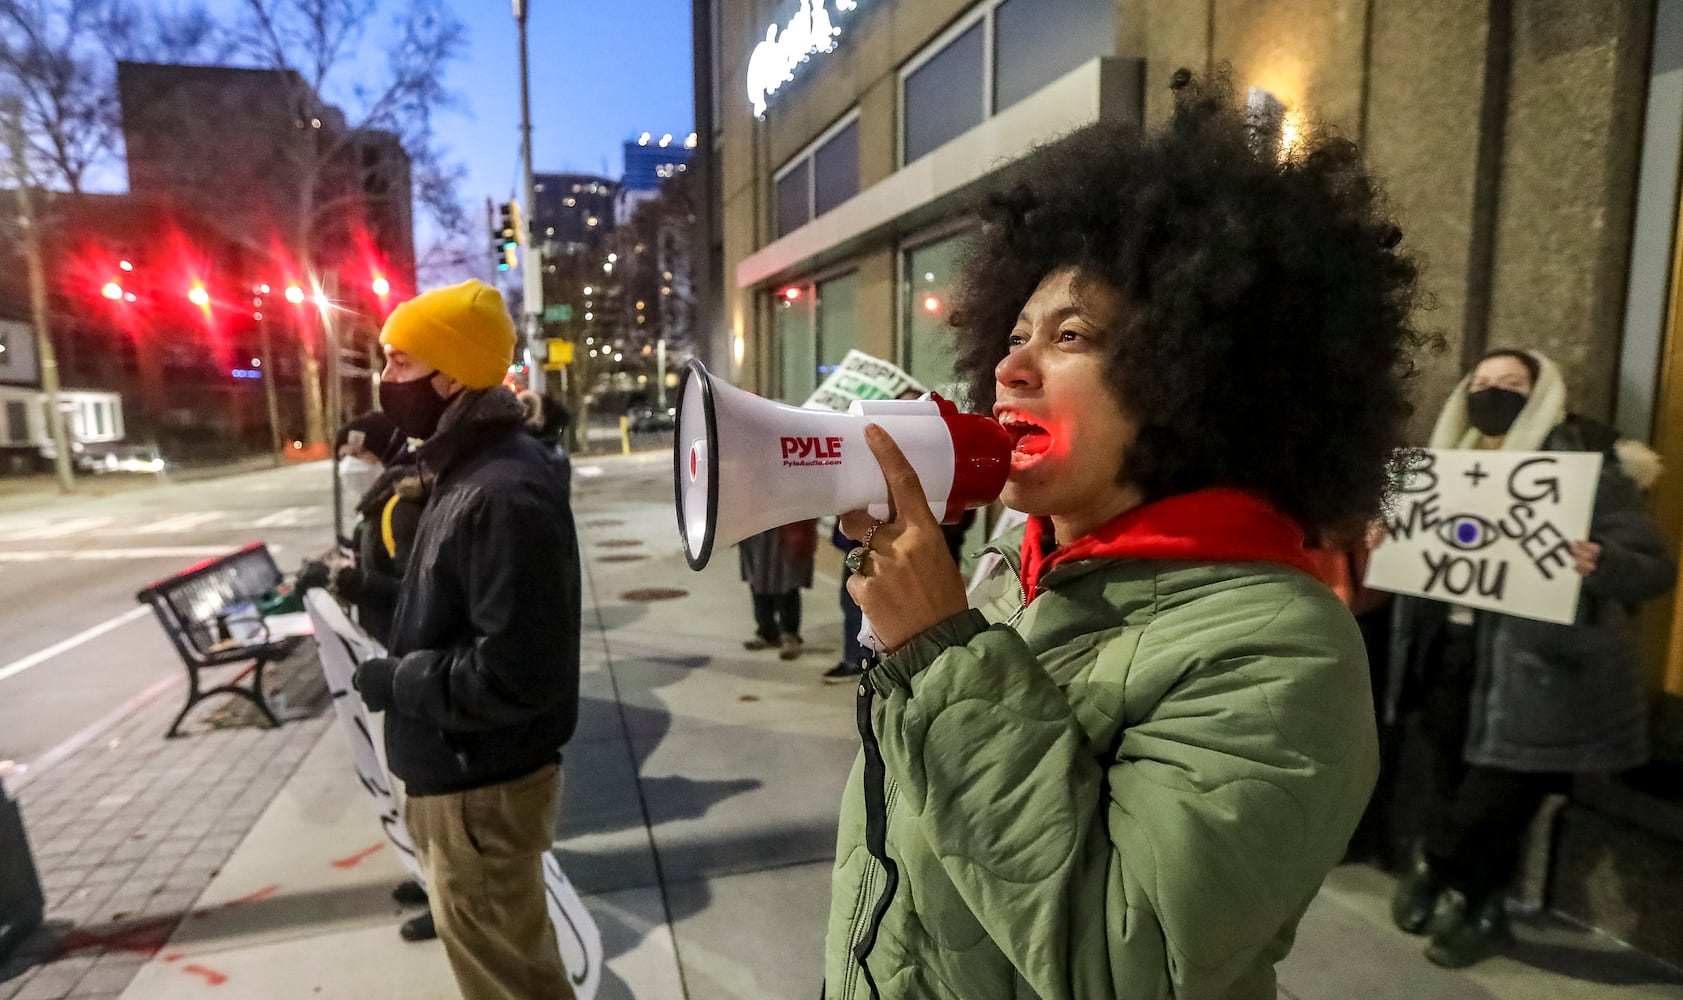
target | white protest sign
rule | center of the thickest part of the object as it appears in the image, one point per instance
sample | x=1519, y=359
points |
x=342, y=646
x=1489, y=530
x=860, y=376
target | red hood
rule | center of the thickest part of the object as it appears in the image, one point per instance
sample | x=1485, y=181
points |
x=1218, y=525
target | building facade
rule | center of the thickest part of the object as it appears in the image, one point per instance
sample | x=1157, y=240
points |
x=571, y=213
x=1531, y=151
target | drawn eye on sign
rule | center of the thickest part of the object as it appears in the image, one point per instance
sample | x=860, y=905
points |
x=1468, y=532
x=1490, y=530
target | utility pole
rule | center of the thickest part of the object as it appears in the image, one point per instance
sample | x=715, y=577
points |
x=335, y=368
x=534, y=256
x=269, y=390
x=44, y=350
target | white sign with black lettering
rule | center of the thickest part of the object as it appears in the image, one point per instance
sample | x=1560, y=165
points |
x=1489, y=530
x=342, y=646
x=860, y=376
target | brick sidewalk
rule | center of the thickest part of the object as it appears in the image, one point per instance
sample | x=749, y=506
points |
x=128, y=831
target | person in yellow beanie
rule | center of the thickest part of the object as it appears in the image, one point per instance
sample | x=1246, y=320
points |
x=448, y=339
x=480, y=687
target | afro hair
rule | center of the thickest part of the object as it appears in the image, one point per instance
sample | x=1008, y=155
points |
x=1268, y=332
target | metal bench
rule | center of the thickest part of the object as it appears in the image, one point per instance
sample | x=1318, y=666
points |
x=210, y=613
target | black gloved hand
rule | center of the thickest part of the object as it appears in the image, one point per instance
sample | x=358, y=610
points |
x=313, y=573
x=347, y=583
x=374, y=681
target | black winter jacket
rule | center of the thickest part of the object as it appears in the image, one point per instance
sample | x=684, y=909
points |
x=486, y=638
x=373, y=583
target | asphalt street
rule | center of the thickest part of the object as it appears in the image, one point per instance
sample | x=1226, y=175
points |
x=75, y=646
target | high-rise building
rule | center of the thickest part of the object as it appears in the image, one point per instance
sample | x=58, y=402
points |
x=650, y=161
x=571, y=212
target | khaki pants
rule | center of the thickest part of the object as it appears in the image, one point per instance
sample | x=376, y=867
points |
x=482, y=853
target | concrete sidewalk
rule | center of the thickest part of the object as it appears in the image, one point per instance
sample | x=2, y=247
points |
x=698, y=821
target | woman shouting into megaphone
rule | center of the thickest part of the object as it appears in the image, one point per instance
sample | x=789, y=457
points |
x=1121, y=767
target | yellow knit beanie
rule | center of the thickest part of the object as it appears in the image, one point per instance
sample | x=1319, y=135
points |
x=462, y=330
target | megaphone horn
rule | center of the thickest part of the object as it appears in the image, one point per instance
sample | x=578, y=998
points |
x=742, y=464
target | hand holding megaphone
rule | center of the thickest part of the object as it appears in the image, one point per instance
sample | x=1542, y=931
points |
x=906, y=581
x=743, y=464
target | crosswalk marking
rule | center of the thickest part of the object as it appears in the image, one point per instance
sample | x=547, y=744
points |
x=291, y=517
x=113, y=555
x=58, y=529
x=180, y=523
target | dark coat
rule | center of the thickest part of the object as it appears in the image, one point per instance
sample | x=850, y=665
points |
x=1549, y=697
x=373, y=583
x=485, y=687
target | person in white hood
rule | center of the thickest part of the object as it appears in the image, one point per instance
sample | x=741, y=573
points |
x=1512, y=708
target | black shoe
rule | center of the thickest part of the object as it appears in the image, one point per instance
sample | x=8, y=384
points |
x=1477, y=933
x=1416, y=899
x=418, y=928
x=759, y=642
x=410, y=893
x=843, y=671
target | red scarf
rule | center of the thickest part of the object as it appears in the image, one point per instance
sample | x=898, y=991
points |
x=1209, y=526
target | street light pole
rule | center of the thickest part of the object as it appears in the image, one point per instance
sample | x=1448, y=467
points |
x=273, y=402
x=44, y=350
x=534, y=257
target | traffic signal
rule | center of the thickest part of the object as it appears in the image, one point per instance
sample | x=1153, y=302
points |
x=507, y=237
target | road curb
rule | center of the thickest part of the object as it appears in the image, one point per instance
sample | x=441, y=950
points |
x=17, y=780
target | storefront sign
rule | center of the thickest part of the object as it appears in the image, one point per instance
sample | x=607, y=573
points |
x=774, y=60
x=1489, y=530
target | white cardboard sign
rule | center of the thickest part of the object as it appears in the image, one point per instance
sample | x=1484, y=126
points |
x=342, y=646
x=860, y=376
x=1489, y=530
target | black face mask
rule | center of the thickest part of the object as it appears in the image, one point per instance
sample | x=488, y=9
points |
x=1494, y=410
x=413, y=406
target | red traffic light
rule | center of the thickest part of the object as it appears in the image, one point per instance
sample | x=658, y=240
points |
x=198, y=296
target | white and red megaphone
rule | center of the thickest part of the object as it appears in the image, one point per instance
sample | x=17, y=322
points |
x=744, y=464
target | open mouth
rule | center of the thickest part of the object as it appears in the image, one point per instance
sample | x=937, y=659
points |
x=1029, y=440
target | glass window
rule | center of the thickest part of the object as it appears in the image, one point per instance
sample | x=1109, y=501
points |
x=794, y=198
x=944, y=96
x=1037, y=41
x=835, y=170
x=838, y=321
x=99, y=419
x=926, y=351
x=796, y=348
x=17, y=422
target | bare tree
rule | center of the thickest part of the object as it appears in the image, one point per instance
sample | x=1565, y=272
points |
x=322, y=42
x=57, y=62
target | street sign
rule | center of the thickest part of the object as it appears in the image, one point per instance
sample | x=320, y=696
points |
x=560, y=354
x=558, y=314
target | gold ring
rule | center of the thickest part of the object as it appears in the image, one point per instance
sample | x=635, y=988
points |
x=855, y=558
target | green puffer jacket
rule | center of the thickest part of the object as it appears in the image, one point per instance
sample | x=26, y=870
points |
x=1131, y=788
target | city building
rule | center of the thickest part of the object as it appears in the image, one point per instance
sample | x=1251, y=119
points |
x=571, y=212
x=650, y=161
x=251, y=204
x=1531, y=151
